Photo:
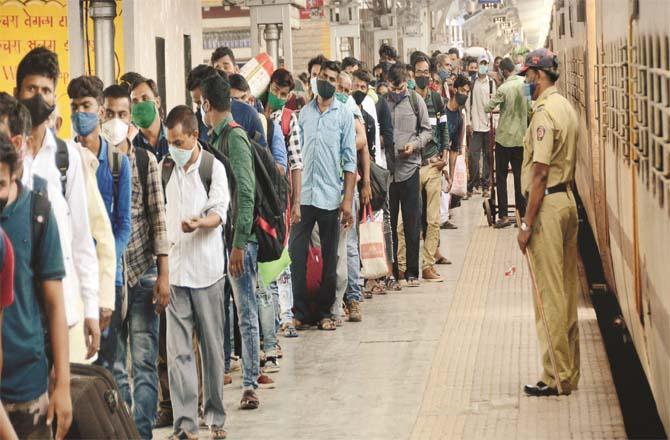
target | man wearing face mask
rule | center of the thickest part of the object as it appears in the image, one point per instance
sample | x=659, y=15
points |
x=145, y=114
x=146, y=272
x=479, y=127
x=328, y=139
x=548, y=232
x=459, y=90
x=59, y=165
x=509, y=138
x=411, y=134
x=113, y=178
x=434, y=158
x=195, y=215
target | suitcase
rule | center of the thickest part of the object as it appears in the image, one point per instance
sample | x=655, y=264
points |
x=98, y=412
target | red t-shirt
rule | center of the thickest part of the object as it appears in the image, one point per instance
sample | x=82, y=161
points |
x=7, y=272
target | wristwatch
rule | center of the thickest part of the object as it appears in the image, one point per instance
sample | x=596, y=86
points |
x=524, y=226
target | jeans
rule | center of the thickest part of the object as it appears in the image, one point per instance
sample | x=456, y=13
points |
x=196, y=310
x=285, y=291
x=109, y=338
x=353, y=292
x=267, y=315
x=139, y=332
x=406, y=194
x=479, y=146
x=328, y=222
x=244, y=292
x=505, y=156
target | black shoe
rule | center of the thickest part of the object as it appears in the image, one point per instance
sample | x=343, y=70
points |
x=540, y=390
x=502, y=223
x=448, y=225
x=163, y=419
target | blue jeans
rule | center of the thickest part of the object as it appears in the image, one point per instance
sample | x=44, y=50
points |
x=244, y=291
x=353, y=292
x=268, y=317
x=139, y=333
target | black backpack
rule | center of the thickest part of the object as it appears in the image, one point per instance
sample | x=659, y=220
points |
x=270, y=201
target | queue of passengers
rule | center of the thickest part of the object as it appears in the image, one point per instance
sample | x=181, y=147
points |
x=136, y=243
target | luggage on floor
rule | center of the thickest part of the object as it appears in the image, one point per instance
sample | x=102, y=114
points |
x=372, y=252
x=97, y=408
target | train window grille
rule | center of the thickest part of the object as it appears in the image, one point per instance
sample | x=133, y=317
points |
x=652, y=65
x=615, y=66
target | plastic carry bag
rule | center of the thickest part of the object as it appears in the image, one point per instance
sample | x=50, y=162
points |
x=445, y=199
x=372, y=252
x=459, y=184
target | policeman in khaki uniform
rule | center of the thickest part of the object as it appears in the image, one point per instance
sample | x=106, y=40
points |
x=549, y=230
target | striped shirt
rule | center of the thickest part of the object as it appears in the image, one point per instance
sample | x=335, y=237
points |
x=293, y=140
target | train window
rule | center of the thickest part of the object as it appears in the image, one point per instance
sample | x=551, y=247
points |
x=581, y=11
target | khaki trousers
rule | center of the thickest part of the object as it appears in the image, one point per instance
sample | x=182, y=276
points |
x=430, y=184
x=553, y=254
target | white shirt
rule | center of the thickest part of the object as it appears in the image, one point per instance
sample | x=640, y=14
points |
x=71, y=212
x=196, y=258
x=482, y=92
x=371, y=109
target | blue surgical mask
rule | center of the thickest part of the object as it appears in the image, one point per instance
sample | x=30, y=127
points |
x=444, y=74
x=84, y=122
x=180, y=157
x=483, y=69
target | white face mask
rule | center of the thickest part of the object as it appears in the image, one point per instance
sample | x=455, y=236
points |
x=115, y=131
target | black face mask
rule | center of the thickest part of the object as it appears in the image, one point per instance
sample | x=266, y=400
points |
x=3, y=203
x=421, y=82
x=358, y=96
x=325, y=89
x=39, y=109
x=461, y=99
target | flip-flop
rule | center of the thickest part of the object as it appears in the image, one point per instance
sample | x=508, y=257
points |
x=327, y=324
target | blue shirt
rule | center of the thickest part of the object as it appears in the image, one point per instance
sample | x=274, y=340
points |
x=278, y=146
x=161, y=149
x=243, y=114
x=455, y=123
x=117, y=201
x=328, y=142
x=25, y=373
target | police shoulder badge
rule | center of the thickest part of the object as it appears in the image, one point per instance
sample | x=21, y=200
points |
x=540, y=132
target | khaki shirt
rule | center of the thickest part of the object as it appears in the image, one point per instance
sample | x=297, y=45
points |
x=551, y=139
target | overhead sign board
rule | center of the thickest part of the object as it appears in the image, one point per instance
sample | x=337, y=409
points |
x=490, y=2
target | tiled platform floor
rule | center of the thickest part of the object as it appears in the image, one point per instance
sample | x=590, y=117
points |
x=443, y=361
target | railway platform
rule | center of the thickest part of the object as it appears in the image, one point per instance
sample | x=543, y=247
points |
x=442, y=361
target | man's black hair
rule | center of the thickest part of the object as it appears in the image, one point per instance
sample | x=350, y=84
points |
x=507, y=65
x=86, y=86
x=149, y=82
x=460, y=81
x=221, y=52
x=435, y=53
x=201, y=72
x=183, y=115
x=216, y=90
x=386, y=51
x=129, y=79
x=363, y=75
x=417, y=57
x=17, y=115
x=39, y=61
x=238, y=82
x=116, y=91
x=316, y=61
x=350, y=61
x=398, y=74
x=453, y=51
x=331, y=65
x=8, y=154
x=283, y=78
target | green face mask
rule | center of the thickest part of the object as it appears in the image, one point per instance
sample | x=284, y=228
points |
x=342, y=97
x=275, y=102
x=144, y=113
x=411, y=84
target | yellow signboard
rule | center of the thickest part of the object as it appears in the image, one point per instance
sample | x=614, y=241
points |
x=26, y=24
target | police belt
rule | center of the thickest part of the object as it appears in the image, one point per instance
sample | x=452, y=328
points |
x=561, y=187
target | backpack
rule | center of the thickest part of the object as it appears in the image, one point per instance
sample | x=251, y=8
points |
x=62, y=162
x=114, y=162
x=286, y=115
x=270, y=201
x=370, y=133
x=40, y=210
x=414, y=102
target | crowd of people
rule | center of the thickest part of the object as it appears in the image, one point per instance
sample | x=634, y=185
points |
x=139, y=242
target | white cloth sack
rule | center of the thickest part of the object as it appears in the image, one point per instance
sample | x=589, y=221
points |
x=445, y=199
x=372, y=253
x=459, y=184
